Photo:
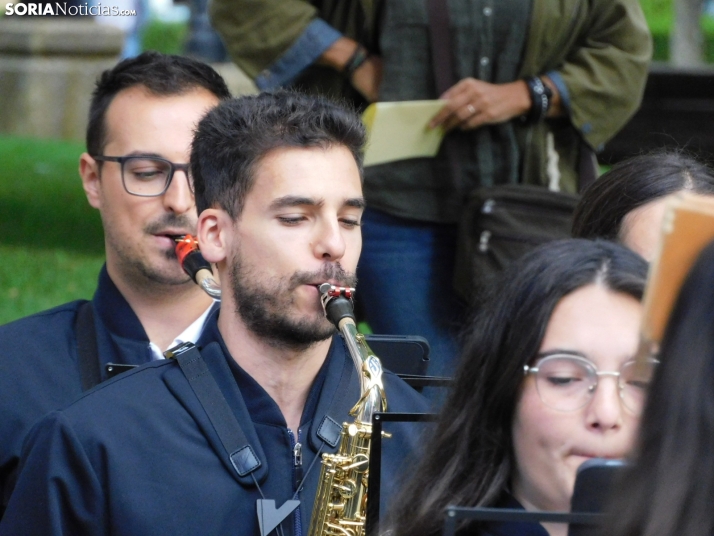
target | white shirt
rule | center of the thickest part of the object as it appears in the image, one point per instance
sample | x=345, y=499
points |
x=190, y=334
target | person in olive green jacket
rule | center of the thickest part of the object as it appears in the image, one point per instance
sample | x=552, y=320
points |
x=589, y=59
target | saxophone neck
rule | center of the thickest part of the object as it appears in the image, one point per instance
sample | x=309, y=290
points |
x=337, y=303
x=372, y=396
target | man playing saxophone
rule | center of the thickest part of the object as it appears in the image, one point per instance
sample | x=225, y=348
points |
x=228, y=438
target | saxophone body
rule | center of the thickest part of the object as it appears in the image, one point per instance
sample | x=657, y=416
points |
x=340, y=507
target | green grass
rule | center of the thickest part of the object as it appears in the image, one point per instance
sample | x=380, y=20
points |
x=34, y=279
x=42, y=203
x=51, y=240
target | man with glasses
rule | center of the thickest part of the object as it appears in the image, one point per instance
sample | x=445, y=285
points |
x=135, y=172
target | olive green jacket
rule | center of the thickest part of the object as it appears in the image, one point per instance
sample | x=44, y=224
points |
x=599, y=48
x=258, y=32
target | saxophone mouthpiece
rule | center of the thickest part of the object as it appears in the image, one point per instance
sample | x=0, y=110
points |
x=336, y=302
x=192, y=261
x=332, y=291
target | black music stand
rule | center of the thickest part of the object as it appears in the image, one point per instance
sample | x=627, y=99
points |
x=375, y=461
x=401, y=354
x=456, y=513
x=593, y=484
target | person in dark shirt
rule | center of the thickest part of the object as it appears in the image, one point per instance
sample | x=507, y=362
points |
x=142, y=116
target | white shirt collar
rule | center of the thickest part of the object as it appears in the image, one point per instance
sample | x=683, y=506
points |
x=190, y=334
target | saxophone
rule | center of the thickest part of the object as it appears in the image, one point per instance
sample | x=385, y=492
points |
x=340, y=507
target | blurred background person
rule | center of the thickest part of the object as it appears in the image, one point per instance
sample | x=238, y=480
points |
x=669, y=489
x=588, y=60
x=627, y=203
x=537, y=391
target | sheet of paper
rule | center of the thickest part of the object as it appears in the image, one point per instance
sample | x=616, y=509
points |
x=398, y=130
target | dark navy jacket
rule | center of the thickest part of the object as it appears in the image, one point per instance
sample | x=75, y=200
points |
x=39, y=369
x=138, y=455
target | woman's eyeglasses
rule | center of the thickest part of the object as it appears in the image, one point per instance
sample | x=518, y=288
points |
x=568, y=382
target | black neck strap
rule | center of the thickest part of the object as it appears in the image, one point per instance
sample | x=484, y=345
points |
x=87, y=352
x=241, y=454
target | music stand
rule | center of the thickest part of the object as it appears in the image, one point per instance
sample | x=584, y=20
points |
x=456, y=513
x=375, y=460
x=401, y=354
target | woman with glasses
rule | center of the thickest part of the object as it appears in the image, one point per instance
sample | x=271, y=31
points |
x=669, y=489
x=546, y=381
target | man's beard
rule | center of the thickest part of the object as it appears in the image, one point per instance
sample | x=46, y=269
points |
x=265, y=309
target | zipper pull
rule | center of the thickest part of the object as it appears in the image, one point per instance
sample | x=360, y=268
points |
x=297, y=454
x=297, y=462
x=483, y=241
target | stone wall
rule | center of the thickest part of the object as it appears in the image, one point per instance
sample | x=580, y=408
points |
x=48, y=67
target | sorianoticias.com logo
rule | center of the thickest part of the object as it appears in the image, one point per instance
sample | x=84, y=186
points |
x=62, y=9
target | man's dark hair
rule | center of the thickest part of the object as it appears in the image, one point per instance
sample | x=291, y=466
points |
x=233, y=137
x=635, y=182
x=160, y=74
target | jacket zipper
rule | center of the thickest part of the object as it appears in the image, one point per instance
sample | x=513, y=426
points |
x=486, y=236
x=297, y=475
x=492, y=205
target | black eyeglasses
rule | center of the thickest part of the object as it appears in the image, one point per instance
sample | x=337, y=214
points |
x=147, y=176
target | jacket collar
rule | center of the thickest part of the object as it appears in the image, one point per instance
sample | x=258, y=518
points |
x=115, y=312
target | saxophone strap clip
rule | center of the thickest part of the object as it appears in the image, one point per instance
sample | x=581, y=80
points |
x=372, y=370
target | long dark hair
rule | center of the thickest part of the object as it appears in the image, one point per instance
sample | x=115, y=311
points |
x=669, y=491
x=635, y=182
x=468, y=460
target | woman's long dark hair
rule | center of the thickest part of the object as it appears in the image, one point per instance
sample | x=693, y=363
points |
x=669, y=491
x=468, y=459
x=635, y=182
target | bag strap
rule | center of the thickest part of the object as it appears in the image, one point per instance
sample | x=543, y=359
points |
x=87, y=350
x=206, y=389
x=587, y=167
x=443, y=64
x=440, y=44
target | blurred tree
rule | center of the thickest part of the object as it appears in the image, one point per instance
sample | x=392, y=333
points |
x=686, y=40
